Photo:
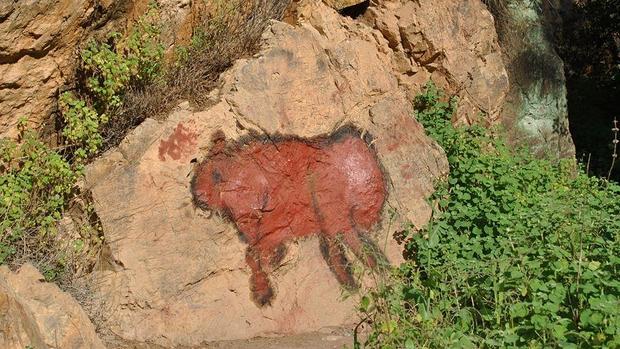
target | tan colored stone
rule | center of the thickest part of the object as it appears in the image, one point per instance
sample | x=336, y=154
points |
x=456, y=39
x=37, y=39
x=37, y=314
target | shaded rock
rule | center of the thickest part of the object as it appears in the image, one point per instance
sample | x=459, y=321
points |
x=37, y=314
x=536, y=112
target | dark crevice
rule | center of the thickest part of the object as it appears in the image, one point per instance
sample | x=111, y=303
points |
x=36, y=54
x=355, y=11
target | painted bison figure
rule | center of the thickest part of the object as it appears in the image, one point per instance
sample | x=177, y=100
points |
x=275, y=189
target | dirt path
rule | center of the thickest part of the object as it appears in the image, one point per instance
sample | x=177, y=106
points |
x=333, y=338
x=306, y=341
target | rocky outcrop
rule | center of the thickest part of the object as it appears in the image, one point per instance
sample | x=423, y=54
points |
x=36, y=314
x=180, y=275
x=39, y=40
x=451, y=42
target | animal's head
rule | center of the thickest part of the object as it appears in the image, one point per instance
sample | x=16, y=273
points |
x=210, y=174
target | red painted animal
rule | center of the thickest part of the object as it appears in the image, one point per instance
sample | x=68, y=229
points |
x=275, y=190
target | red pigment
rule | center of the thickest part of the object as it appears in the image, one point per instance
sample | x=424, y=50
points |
x=178, y=144
x=276, y=191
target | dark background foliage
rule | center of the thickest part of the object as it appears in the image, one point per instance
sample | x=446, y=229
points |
x=589, y=44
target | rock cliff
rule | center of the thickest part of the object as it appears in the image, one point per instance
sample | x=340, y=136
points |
x=36, y=314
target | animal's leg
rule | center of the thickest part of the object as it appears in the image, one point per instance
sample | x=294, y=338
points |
x=365, y=249
x=262, y=292
x=337, y=261
x=277, y=256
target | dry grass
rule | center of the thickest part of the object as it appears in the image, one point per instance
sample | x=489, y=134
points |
x=232, y=31
x=68, y=254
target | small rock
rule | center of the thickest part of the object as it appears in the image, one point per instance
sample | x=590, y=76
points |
x=37, y=314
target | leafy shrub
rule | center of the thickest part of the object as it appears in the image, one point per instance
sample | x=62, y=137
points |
x=82, y=126
x=226, y=31
x=34, y=182
x=521, y=252
x=112, y=66
x=110, y=69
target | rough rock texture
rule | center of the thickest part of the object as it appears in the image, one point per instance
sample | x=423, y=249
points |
x=177, y=275
x=37, y=39
x=536, y=111
x=36, y=314
x=454, y=42
x=331, y=187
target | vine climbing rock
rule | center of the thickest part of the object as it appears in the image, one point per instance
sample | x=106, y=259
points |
x=182, y=267
x=37, y=314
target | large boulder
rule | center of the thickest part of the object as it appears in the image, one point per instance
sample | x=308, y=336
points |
x=178, y=275
x=36, y=314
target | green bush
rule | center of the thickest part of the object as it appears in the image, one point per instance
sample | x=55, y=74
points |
x=114, y=65
x=520, y=253
x=34, y=183
x=82, y=126
x=110, y=68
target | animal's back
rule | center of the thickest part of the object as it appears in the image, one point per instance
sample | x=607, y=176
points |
x=275, y=191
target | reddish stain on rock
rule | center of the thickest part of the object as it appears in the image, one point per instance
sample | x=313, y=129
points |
x=406, y=171
x=278, y=190
x=180, y=142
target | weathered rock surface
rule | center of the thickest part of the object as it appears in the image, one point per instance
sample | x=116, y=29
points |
x=37, y=39
x=36, y=314
x=179, y=276
x=536, y=110
x=452, y=42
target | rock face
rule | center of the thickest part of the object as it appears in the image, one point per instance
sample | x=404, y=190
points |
x=536, y=111
x=37, y=39
x=36, y=314
x=456, y=45
x=178, y=275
